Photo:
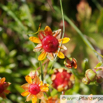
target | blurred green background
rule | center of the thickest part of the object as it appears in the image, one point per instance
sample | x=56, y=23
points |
x=21, y=17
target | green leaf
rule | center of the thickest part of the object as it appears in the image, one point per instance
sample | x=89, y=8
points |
x=26, y=8
x=10, y=13
x=85, y=64
x=18, y=88
x=98, y=65
x=12, y=53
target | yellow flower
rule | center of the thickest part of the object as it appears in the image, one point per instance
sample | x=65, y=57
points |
x=3, y=87
x=34, y=89
x=49, y=43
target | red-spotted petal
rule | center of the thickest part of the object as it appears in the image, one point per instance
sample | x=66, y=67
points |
x=50, y=56
x=36, y=80
x=25, y=86
x=40, y=95
x=57, y=33
x=37, y=48
x=29, y=97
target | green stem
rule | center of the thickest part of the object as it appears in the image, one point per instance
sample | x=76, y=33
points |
x=41, y=71
x=80, y=33
x=62, y=18
x=63, y=27
x=82, y=36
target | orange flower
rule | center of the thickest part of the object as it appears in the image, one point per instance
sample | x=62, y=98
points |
x=3, y=87
x=34, y=89
x=62, y=79
x=49, y=43
x=51, y=100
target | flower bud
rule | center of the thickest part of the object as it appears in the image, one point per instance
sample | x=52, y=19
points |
x=90, y=75
x=70, y=62
x=62, y=79
x=99, y=72
x=99, y=79
x=85, y=81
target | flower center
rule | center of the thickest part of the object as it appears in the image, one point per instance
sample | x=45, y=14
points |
x=62, y=78
x=34, y=89
x=1, y=88
x=50, y=44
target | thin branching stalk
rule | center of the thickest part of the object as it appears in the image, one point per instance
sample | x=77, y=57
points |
x=62, y=33
x=81, y=34
x=62, y=18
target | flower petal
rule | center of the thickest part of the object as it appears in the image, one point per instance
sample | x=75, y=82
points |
x=34, y=99
x=42, y=56
x=7, y=91
x=36, y=80
x=25, y=93
x=50, y=56
x=60, y=55
x=40, y=95
x=41, y=35
x=3, y=95
x=2, y=80
x=25, y=86
x=48, y=30
x=28, y=79
x=63, y=47
x=64, y=40
x=57, y=33
x=37, y=48
x=34, y=39
x=41, y=83
x=29, y=97
x=44, y=88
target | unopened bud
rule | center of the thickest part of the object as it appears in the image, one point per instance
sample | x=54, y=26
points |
x=85, y=80
x=90, y=75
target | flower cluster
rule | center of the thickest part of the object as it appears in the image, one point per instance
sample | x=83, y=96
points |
x=92, y=75
x=62, y=79
x=34, y=89
x=3, y=88
x=49, y=43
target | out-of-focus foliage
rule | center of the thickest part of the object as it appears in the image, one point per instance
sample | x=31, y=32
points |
x=21, y=17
